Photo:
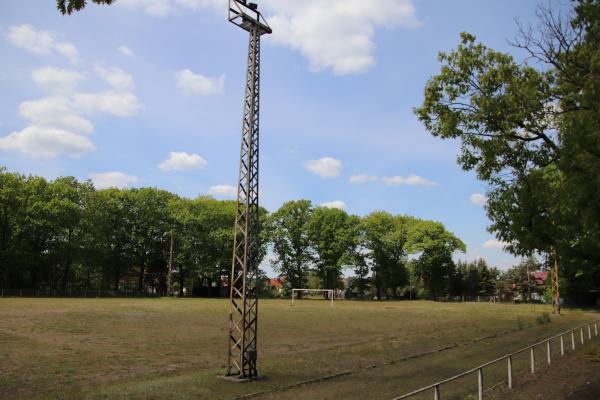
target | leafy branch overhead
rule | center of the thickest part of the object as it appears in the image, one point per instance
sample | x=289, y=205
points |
x=70, y=6
x=531, y=131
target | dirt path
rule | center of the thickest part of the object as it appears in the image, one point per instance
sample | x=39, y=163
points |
x=576, y=377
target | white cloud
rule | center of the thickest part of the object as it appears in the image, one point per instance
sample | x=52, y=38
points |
x=363, y=178
x=41, y=42
x=337, y=34
x=158, y=8
x=112, y=179
x=68, y=50
x=115, y=77
x=119, y=104
x=223, y=190
x=494, y=244
x=56, y=79
x=55, y=112
x=191, y=83
x=180, y=161
x=126, y=51
x=334, y=204
x=38, y=141
x=478, y=199
x=326, y=167
x=27, y=38
x=413, y=180
x=331, y=34
x=200, y=4
x=162, y=8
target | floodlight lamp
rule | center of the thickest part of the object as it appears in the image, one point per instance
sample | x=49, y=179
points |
x=246, y=16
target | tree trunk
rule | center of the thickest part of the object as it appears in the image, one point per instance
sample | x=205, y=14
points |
x=141, y=277
x=117, y=275
x=65, y=277
x=181, y=281
x=170, y=267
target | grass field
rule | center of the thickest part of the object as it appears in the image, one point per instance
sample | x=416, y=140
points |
x=176, y=348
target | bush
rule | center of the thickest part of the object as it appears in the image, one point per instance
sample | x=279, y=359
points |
x=520, y=324
x=543, y=319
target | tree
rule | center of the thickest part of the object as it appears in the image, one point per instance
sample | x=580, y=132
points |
x=474, y=279
x=435, y=245
x=533, y=135
x=66, y=208
x=70, y=6
x=289, y=236
x=333, y=234
x=384, y=245
x=11, y=217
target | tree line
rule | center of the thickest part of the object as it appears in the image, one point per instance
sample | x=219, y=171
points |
x=66, y=234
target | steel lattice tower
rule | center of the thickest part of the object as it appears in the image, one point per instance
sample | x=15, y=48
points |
x=243, y=296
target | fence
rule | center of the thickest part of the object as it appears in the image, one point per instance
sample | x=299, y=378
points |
x=73, y=293
x=478, y=371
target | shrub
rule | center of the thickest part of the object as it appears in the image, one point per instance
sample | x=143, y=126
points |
x=543, y=319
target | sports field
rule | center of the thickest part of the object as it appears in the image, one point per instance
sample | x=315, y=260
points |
x=176, y=348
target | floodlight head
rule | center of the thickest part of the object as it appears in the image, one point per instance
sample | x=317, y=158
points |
x=246, y=16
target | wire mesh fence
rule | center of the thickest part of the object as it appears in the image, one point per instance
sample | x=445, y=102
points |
x=81, y=293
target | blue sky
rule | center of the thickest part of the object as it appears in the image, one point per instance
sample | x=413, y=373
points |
x=149, y=93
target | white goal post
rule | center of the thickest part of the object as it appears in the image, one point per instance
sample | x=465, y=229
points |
x=330, y=293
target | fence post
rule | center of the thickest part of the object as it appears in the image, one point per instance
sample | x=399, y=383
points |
x=573, y=340
x=548, y=351
x=582, y=342
x=480, y=384
x=510, y=372
x=532, y=360
x=562, y=345
x=436, y=392
x=589, y=332
x=596, y=328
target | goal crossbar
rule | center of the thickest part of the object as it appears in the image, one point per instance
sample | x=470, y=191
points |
x=330, y=293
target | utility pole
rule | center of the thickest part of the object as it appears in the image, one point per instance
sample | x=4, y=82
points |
x=554, y=284
x=243, y=295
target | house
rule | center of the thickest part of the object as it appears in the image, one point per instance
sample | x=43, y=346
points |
x=277, y=284
x=540, y=277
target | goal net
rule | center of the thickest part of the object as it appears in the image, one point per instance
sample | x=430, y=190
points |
x=313, y=293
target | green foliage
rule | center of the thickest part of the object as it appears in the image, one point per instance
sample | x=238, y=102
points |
x=70, y=6
x=289, y=234
x=542, y=319
x=533, y=135
x=333, y=236
x=66, y=234
x=472, y=279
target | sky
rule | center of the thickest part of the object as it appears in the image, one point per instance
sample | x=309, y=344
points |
x=150, y=93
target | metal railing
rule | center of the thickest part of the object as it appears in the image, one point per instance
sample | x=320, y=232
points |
x=435, y=388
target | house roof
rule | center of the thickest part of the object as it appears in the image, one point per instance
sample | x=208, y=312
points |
x=277, y=282
x=540, y=276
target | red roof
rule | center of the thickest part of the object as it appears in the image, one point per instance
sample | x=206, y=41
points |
x=276, y=282
x=540, y=277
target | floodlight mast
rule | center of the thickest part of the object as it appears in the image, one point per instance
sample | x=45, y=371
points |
x=243, y=290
